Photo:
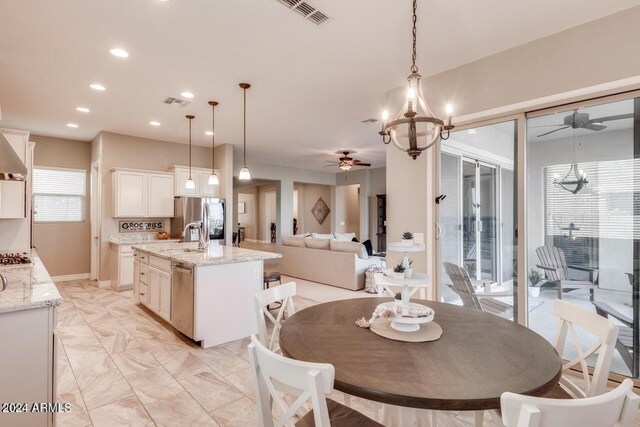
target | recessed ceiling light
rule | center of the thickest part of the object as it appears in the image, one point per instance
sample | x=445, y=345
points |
x=154, y=123
x=72, y=125
x=97, y=86
x=471, y=131
x=187, y=94
x=83, y=109
x=120, y=53
x=208, y=132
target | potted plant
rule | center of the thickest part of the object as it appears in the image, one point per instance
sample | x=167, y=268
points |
x=399, y=270
x=407, y=238
x=536, y=279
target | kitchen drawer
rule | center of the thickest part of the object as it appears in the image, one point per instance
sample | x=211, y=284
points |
x=142, y=257
x=144, y=294
x=160, y=263
x=144, y=273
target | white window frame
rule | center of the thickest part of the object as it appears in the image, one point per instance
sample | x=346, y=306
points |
x=84, y=197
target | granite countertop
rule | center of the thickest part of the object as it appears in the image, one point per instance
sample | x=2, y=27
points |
x=215, y=254
x=136, y=239
x=30, y=286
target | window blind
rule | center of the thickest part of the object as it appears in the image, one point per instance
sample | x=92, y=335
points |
x=604, y=208
x=59, y=195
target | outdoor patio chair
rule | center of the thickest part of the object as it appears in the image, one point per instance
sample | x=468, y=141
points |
x=461, y=284
x=628, y=342
x=556, y=271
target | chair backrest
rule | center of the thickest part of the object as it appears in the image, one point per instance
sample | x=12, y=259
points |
x=282, y=293
x=461, y=284
x=616, y=408
x=274, y=374
x=553, y=257
x=605, y=334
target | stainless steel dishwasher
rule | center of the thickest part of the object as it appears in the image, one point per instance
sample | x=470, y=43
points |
x=182, y=298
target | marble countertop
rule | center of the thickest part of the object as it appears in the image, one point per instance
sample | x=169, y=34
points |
x=215, y=254
x=30, y=286
x=136, y=239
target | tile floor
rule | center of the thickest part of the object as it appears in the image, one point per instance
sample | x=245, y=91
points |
x=118, y=364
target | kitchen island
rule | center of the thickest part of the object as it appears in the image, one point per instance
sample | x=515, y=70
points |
x=27, y=341
x=207, y=295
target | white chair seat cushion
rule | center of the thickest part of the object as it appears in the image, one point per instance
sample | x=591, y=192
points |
x=340, y=416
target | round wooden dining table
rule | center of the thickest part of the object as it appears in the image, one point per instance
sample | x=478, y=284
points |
x=478, y=357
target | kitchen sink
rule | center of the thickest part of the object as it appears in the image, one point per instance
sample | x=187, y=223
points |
x=179, y=251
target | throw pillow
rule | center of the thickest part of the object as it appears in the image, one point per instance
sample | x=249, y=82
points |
x=355, y=239
x=322, y=236
x=345, y=237
x=353, y=247
x=297, y=241
x=368, y=246
x=314, y=243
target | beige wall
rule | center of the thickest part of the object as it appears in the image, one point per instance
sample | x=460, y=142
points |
x=249, y=220
x=308, y=195
x=597, y=52
x=348, y=209
x=124, y=151
x=592, y=54
x=64, y=247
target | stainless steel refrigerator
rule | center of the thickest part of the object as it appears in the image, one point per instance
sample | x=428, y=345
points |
x=189, y=209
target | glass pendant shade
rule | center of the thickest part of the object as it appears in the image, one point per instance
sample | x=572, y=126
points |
x=345, y=167
x=190, y=185
x=244, y=175
x=213, y=179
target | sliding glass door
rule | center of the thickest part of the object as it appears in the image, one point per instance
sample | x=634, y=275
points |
x=583, y=218
x=477, y=218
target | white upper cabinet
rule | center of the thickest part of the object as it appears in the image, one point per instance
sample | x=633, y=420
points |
x=12, y=193
x=160, y=195
x=201, y=179
x=139, y=194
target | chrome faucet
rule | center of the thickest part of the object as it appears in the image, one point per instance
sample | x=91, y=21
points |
x=202, y=245
x=205, y=222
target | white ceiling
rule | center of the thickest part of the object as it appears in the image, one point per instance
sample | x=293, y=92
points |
x=312, y=85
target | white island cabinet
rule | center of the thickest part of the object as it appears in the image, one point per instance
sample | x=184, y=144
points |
x=208, y=296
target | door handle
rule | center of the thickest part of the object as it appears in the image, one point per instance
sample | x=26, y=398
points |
x=95, y=237
x=438, y=230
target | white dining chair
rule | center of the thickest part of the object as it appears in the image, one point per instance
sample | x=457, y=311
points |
x=275, y=376
x=605, y=334
x=282, y=294
x=616, y=408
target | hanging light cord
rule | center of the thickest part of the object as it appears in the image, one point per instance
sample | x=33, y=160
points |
x=189, y=148
x=245, y=128
x=414, y=68
x=213, y=138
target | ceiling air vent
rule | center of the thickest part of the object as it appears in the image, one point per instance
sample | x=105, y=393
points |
x=177, y=101
x=306, y=10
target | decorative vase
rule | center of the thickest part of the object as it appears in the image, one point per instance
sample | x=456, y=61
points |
x=408, y=273
x=534, y=291
x=407, y=242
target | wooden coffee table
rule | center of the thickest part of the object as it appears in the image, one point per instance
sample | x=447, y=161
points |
x=478, y=357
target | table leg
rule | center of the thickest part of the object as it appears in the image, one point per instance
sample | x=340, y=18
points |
x=479, y=418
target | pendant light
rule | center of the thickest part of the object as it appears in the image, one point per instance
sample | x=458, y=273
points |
x=421, y=124
x=190, y=185
x=213, y=178
x=245, y=175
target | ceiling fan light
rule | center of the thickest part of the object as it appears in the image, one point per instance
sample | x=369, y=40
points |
x=213, y=179
x=244, y=174
x=345, y=167
x=190, y=184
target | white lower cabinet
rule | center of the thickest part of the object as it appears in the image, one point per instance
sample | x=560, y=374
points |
x=152, y=283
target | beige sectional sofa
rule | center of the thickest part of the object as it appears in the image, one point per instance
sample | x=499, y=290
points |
x=331, y=262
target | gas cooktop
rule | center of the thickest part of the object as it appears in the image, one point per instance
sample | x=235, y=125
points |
x=14, y=258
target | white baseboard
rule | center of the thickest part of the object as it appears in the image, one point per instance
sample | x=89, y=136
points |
x=68, y=277
x=104, y=283
x=252, y=240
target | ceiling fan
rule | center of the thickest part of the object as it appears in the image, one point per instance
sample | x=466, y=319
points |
x=578, y=120
x=345, y=162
